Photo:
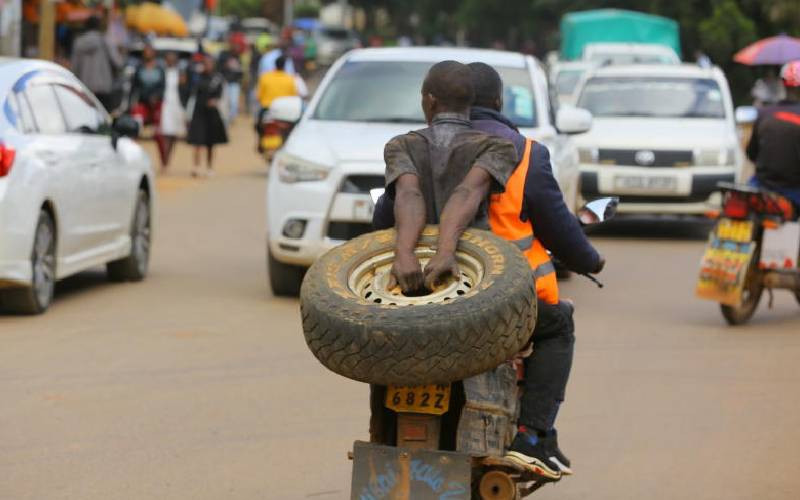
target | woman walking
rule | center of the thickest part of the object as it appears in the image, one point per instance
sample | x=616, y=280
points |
x=147, y=94
x=173, y=117
x=206, y=128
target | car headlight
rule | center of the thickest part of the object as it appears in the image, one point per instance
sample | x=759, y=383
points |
x=294, y=169
x=588, y=155
x=714, y=157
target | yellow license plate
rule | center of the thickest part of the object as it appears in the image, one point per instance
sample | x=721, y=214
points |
x=432, y=399
x=740, y=231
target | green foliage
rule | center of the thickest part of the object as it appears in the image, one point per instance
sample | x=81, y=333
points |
x=241, y=8
x=726, y=31
x=306, y=9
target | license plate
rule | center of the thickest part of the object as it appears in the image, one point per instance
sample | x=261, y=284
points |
x=362, y=210
x=740, y=231
x=431, y=399
x=650, y=183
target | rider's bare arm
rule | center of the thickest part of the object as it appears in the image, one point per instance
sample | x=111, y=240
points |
x=409, y=212
x=458, y=212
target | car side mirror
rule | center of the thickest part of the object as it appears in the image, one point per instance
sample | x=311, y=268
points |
x=571, y=120
x=126, y=126
x=598, y=211
x=746, y=114
x=286, y=109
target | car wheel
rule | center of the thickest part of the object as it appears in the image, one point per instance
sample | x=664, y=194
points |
x=284, y=279
x=134, y=266
x=36, y=298
x=360, y=329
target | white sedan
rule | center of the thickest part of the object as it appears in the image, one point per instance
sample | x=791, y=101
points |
x=75, y=192
x=319, y=183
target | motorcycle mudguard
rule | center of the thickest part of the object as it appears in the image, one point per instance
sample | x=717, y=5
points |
x=400, y=473
x=725, y=263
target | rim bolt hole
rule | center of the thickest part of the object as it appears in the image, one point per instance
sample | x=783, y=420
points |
x=460, y=292
x=368, y=295
x=377, y=301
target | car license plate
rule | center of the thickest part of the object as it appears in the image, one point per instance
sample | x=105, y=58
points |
x=432, y=399
x=648, y=183
x=362, y=210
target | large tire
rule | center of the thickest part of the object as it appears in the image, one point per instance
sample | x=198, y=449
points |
x=442, y=339
x=754, y=288
x=134, y=266
x=36, y=298
x=284, y=279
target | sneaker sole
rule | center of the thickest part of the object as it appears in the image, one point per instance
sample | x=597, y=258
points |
x=565, y=470
x=534, y=464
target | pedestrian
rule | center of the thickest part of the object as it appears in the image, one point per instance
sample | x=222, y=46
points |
x=94, y=62
x=768, y=89
x=267, y=62
x=173, y=115
x=207, y=128
x=147, y=94
x=230, y=65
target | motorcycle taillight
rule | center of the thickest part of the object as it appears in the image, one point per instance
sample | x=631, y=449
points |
x=7, y=154
x=735, y=206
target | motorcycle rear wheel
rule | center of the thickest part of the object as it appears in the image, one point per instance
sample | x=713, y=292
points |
x=754, y=288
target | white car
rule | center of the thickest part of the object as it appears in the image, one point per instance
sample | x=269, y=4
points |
x=662, y=137
x=630, y=53
x=319, y=183
x=74, y=191
x=566, y=77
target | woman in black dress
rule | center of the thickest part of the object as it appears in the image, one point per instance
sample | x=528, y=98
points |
x=206, y=128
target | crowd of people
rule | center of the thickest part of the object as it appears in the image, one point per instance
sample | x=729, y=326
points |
x=194, y=97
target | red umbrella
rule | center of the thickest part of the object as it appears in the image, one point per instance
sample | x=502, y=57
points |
x=774, y=50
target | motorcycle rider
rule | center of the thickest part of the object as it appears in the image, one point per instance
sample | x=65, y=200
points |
x=532, y=194
x=775, y=144
x=442, y=175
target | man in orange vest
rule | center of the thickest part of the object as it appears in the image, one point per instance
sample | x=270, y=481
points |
x=532, y=214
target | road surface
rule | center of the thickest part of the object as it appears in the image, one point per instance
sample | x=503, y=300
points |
x=197, y=384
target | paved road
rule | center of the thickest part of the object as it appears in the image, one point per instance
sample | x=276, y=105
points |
x=196, y=384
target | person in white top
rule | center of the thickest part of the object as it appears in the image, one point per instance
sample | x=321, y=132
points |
x=173, y=115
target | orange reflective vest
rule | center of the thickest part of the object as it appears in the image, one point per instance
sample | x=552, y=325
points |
x=504, y=219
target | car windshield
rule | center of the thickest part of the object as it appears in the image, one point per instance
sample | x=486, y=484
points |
x=567, y=80
x=384, y=91
x=653, y=97
x=622, y=58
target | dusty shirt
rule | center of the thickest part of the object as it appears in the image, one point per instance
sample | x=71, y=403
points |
x=442, y=154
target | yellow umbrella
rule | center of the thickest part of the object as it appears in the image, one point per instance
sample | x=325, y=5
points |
x=153, y=17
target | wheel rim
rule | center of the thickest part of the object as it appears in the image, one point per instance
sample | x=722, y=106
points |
x=141, y=236
x=370, y=279
x=497, y=485
x=44, y=264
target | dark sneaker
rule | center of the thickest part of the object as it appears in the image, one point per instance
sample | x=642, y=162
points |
x=531, y=451
x=556, y=455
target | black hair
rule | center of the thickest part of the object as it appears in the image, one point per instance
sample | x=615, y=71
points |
x=487, y=84
x=450, y=83
x=93, y=23
x=280, y=63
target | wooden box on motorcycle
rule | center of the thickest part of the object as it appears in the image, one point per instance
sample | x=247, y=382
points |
x=361, y=330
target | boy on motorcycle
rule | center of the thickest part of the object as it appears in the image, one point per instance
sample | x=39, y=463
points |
x=442, y=175
x=775, y=144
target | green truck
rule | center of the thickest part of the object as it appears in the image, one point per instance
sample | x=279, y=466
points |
x=579, y=29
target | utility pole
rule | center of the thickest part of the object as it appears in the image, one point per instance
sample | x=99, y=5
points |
x=47, y=29
x=288, y=12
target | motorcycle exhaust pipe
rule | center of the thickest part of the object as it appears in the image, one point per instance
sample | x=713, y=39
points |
x=789, y=281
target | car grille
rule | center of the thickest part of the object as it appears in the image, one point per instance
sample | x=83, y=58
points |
x=347, y=230
x=361, y=183
x=659, y=158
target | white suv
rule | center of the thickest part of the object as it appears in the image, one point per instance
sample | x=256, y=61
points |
x=319, y=183
x=662, y=137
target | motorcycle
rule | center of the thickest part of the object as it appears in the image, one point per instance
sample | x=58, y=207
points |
x=277, y=123
x=447, y=441
x=754, y=246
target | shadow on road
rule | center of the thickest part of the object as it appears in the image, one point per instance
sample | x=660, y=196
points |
x=654, y=228
x=85, y=282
